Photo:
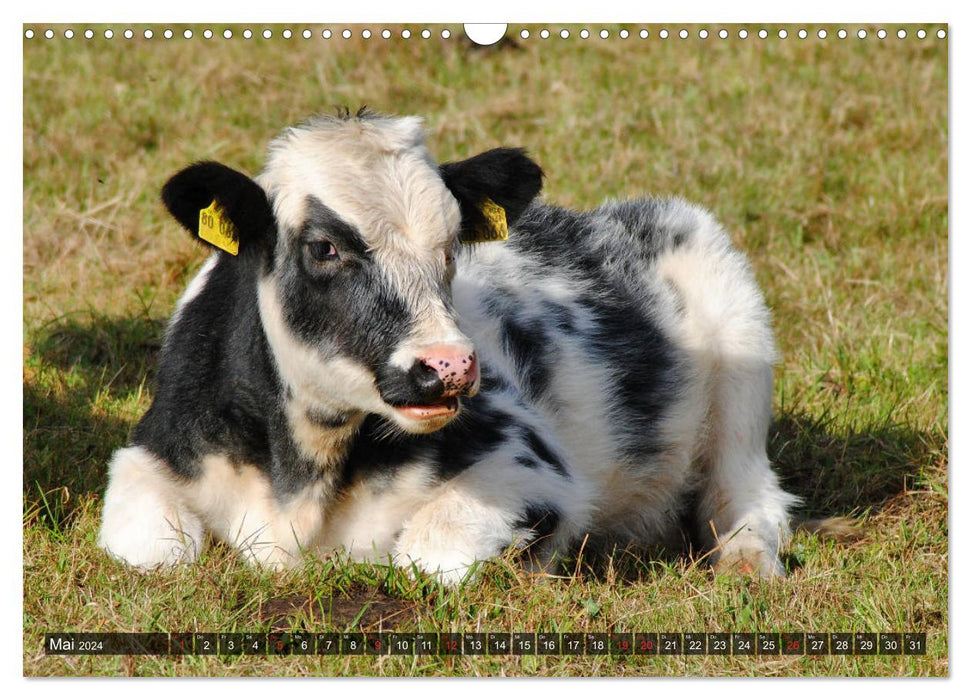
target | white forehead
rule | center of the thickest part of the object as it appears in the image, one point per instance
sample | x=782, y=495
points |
x=373, y=171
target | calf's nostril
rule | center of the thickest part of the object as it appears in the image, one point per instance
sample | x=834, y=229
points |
x=426, y=378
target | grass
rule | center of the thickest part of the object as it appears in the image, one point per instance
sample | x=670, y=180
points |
x=826, y=159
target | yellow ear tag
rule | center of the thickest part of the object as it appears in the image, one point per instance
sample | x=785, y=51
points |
x=495, y=227
x=215, y=228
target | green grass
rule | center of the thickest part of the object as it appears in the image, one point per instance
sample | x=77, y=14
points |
x=826, y=159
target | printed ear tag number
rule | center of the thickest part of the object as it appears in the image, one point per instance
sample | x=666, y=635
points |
x=494, y=228
x=215, y=228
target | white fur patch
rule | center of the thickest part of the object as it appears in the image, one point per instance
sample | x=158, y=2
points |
x=151, y=518
x=474, y=516
x=332, y=159
x=367, y=519
x=238, y=506
x=145, y=521
x=195, y=286
x=726, y=332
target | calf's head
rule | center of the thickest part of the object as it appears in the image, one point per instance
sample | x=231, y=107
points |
x=350, y=234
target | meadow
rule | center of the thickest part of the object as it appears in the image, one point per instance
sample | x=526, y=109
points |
x=826, y=158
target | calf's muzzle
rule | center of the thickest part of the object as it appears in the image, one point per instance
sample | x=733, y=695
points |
x=445, y=371
x=438, y=375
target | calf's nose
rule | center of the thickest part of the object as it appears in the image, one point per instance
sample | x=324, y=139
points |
x=454, y=369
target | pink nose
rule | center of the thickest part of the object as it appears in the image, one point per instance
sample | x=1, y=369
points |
x=455, y=366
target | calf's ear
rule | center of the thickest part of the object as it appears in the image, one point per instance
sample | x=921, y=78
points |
x=503, y=176
x=233, y=210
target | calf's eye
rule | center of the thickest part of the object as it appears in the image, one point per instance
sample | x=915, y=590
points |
x=322, y=251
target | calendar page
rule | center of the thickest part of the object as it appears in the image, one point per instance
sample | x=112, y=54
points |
x=524, y=349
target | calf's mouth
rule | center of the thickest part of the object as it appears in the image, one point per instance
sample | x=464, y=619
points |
x=445, y=407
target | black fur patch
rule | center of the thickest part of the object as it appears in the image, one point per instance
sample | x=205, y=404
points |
x=530, y=349
x=218, y=392
x=646, y=373
x=492, y=382
x=542, y=450
x=344, y=307
x=560, y=316
x=323, y=223
x=541, y=518
x=642, y=232
x=559, y=241
x=527, y=461
x=216, y=381
x=378, y=452
x=479, y=430
x=327, y=421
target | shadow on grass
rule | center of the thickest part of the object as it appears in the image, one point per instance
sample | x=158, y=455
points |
x=78, y=374
x=847, y=472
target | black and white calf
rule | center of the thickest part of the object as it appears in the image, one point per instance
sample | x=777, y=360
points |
x=358, y=378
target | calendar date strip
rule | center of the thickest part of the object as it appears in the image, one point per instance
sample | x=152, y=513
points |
x=488, y=643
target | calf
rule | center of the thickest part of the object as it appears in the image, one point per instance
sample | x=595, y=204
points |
x=352, y=376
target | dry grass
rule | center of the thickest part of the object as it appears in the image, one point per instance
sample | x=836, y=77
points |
x=827, y=160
